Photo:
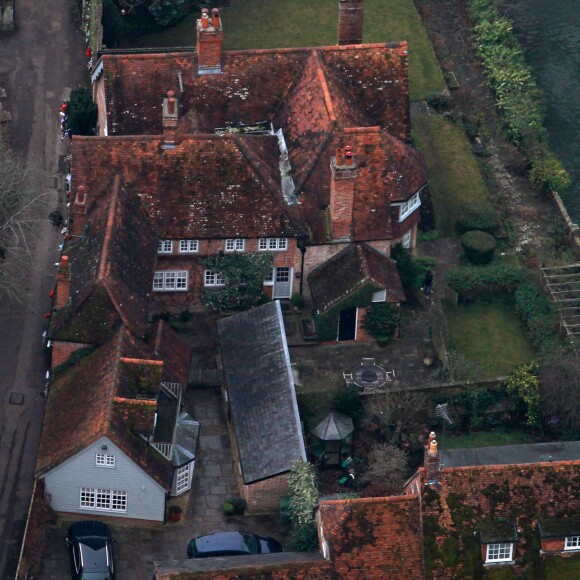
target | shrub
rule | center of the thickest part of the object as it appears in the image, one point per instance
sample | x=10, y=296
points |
x=548, y=173
x=471, y=281
x=166, y=12
x=524, y=384
x=381, y=320
x=82, y=112
x=303, y=500
x=238, y=504
x=438, y=101
x=476, y=217
x=479, y=247
x=411, y=271
x=297, y=300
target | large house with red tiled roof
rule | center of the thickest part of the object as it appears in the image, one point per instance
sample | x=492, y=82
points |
x=115, y=441
x=298, y=152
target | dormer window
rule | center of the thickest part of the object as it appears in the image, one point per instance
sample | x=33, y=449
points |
x=188, y=246
x=499, y=553
x=165, y=247
x=572, y=543
x=408, y=207
x=273, y=244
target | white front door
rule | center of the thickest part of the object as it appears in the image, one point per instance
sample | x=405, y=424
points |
x=282, y=282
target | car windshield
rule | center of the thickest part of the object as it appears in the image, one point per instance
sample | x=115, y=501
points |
x=251, y=543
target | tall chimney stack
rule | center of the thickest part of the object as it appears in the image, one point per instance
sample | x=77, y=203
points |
x=209, y=42
x=350, y=21
x=343, y=174
x=79, y=212
x=170, y=117
x=432, y=460
x=62, y=283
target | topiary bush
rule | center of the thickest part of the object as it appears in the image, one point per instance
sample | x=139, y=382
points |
x=381, y=320
x=476, y=217
x=471, y=281
x=479, y=247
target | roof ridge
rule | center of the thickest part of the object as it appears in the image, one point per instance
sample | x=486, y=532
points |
x=103, y=263
x=363, y=260
x=324, y=85
x=113, y=385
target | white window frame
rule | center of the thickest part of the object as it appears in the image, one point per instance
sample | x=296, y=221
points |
x=273, y=244
x=165, y=247
x=572, y=543
x=409, y=206
x=270, y=281
x=213, y=279
x=188, y=246
x=103, y=500
x=235, y=245
x=407, y=240
x=183, y=478
x=105, y=459
x=499, y=552
x=170, y=281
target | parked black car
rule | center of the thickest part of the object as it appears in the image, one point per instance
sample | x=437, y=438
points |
x=91, y=551
x=231, y=544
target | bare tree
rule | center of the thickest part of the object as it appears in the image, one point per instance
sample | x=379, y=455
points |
x=387, y=469
x=560, y=391
x=22, y=205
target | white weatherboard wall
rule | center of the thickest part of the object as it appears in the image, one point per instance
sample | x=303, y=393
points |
x=145, y=497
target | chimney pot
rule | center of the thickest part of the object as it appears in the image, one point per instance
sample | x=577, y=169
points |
x=215, y=18
x=204, y=18
x=81, y=196
x=432, y=436
x=348, y=155
x=339, y=157
x=433, y=448
x=64, y=260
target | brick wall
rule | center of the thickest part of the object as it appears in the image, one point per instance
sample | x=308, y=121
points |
x=264, y=496
x=209, y=48
x=350, y=21
x=342, y=186
x=61, y=351
x=549, y=545
x=101, y=102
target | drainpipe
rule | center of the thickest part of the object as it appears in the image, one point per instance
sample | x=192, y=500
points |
x=301, y=243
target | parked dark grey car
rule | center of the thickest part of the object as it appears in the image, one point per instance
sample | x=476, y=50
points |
x=91, y=551
x=231, y=544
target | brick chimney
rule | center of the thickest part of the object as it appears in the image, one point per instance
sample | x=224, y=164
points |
x=210, y=36
x=350, y=21
x=170, y=116
x=62, y=283
x=432, y=460
x=79, y=213
x=344, y=172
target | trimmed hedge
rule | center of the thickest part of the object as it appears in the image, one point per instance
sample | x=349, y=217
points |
x=470, y=281
x=479, y=247
x=476, y=217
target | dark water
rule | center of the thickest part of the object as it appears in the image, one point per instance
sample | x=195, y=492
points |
x=549, y=30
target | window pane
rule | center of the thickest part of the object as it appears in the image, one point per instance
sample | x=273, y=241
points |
x=282, y=243
x=103, y=499
x=169, y=280
x=263, y=244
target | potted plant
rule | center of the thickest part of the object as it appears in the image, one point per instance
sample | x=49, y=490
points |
x=381, y=321
x=175, y=513
x=297, y=301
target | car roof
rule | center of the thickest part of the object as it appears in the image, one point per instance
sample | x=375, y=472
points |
x=231, y=541
x=89, y=528
x=94, y=560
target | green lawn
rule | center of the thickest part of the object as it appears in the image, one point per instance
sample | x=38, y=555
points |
x=487, y=438
x=286, y=23
x=454, y=174
x=490, y=335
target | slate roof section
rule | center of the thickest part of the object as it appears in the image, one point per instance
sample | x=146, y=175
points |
x=492, y=531
x=348, y=271
x=111, y=268
x=512, y=454
x=559, y=527
x=119, y=401
x=374, y=537
x=263, y=404
x=207, y=187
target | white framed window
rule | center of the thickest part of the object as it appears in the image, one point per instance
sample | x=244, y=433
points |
x=183, y=478
x=168, y=280
x=188, y=246
x=272, y=244
x=407, y=208
x=407, y=239
x=105, y=459
x=104, y=500
x=269, y=281
x=499, y=553
x=235, y=245
x=213, y=279
x=165, y=247
x=572, y=543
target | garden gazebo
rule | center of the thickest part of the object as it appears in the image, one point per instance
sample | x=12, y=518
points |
x=332, y=439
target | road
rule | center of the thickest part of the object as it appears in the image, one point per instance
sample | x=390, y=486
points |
x=39, y=64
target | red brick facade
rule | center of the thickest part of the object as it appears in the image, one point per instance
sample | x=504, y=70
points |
x=209, y=41
x=61, y=351
x=264, y=496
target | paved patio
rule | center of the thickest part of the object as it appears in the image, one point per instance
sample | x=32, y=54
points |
x=137, y=547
